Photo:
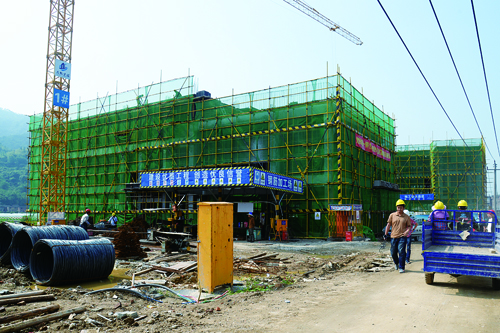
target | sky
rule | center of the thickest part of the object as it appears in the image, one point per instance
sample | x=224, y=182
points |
x=248, y=45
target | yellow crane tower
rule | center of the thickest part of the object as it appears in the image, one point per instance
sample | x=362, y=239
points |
x=315, y=15
x=56, y=108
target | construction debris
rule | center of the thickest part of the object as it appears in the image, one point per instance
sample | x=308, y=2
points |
x=127, y=244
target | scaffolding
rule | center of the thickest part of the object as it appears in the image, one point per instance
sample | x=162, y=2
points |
x=308, y=130
x=452, y=170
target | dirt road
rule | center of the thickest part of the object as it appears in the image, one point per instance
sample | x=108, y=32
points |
x=388, y=302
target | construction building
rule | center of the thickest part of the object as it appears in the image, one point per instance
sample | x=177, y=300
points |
x=445, y=170
x=322, y=132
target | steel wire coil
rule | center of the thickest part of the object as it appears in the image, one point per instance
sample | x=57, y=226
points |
x=7, y=232
x=55, y=261
x=25, y=239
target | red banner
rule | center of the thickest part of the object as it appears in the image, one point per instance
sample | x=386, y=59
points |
x=371, y=147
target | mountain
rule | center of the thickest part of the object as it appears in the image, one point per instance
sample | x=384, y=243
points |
x=13, y=160
x=13, y=130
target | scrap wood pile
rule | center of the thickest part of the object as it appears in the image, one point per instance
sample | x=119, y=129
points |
x=127, y=244
x=173, y=273
x=260, y=263
x=42, y=314
x=380, y=264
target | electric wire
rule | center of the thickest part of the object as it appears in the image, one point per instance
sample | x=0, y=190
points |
x=25, y=239
x=459, y=78
x=484, y=73
x=56, y=261
x=432, y=90
x=185, y=298
x=7, y=232
x=132, y=291
x=421, y=73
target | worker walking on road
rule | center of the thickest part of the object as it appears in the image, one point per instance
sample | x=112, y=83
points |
x=251, y=227
x=400, y=223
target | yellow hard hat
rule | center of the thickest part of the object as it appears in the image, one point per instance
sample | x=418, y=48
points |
x=439, y=205
x=462, y=203
x=113, y=214
x=400, y=202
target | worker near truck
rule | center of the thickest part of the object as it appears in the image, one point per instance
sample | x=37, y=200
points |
x=463, y=218
x=438, y=217
x=400, y=224
x=491, y=221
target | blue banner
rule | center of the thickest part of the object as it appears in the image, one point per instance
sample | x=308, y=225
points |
x=410, y=197
x=278, y=182
x=246, y=176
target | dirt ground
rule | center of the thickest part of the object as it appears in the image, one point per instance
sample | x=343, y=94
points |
x=317, y=286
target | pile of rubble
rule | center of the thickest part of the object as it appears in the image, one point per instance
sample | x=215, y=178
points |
x=127, y=244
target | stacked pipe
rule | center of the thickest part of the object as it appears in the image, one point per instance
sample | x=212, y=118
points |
x=25, y=239
x=56, y=261
x=56, y=254
x=7, y=232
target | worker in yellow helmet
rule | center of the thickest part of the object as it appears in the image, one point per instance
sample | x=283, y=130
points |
x=400, y=224
x=464, y=218
x=113, y=220
x=438, y=217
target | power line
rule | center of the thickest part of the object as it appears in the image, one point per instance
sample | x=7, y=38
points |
x=460, y=79
x=421, y=73
x=484, y=73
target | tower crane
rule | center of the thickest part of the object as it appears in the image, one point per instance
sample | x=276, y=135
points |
x=56, y=108
x=315, y=15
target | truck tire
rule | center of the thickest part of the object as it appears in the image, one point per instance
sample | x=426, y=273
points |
x=429, y=278
x=495, y=283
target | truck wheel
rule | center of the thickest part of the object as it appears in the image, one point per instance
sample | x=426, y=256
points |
x=495, y=283
x=429, y=278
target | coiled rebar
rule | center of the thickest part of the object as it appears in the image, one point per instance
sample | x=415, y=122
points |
x=7, y=232
x=55, y=261
x=25, y=239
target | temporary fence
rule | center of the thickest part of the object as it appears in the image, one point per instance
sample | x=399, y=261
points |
x=322, y=131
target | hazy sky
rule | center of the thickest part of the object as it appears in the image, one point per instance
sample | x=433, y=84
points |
x=249, y=45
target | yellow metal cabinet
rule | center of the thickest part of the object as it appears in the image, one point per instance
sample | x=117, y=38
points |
x=215, y=247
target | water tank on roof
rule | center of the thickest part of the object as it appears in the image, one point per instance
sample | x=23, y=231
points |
x=202, y=94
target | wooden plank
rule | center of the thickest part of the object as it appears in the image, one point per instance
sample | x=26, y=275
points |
x=28, y=299
x=31, y=293
x=29, y=313
x=40, y=320
x=257, y=255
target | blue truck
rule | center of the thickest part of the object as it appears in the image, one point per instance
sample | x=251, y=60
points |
x=462, y=242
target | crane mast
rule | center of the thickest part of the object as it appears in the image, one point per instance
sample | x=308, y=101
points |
x=315, y=15
x=56, y=108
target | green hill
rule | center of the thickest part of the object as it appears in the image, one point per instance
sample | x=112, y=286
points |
x=13, y=160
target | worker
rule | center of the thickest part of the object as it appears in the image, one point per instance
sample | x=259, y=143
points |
x=84, y=221
x=178, y=219
x=408, y=237
x=251, y=227
x=492, y=221
x=463, y=217
x=439, y=218
x=400, y=223
x=113, y=220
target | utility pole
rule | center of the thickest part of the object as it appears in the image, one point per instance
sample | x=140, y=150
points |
x=495, y=186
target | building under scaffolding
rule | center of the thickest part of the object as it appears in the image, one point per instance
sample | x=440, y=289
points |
x=451, y=170
x=323, y=132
